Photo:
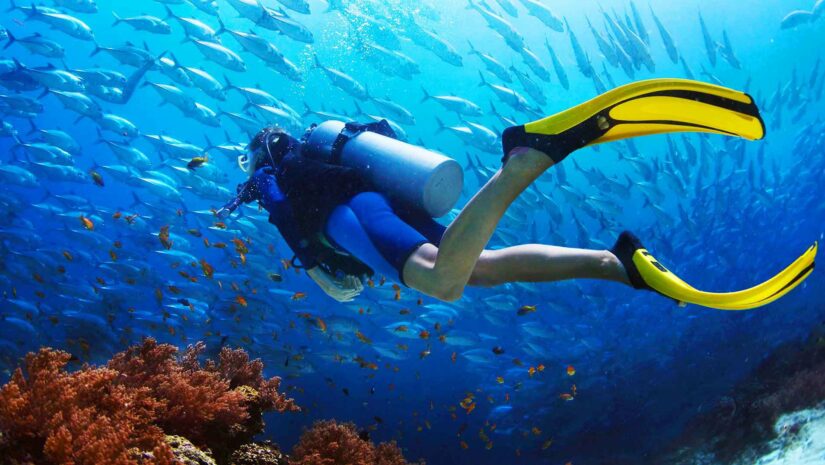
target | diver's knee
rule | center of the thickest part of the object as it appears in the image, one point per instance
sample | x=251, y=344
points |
x=367, y=200
x=484, y=273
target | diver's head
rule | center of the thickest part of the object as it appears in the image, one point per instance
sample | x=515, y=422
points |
x=267, y=148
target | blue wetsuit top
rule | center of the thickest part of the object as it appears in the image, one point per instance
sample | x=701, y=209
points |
x=299, y=194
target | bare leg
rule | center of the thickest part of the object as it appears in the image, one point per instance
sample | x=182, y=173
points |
x=544, y=263
x=465, y=238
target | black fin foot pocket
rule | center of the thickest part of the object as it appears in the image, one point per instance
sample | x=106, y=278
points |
x=626, y=245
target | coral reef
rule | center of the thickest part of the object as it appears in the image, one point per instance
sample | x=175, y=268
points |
x=186, y=453
x=152, y=406
x=264, y=453
x=792, y=378
x=120, y=414
x=332, y=443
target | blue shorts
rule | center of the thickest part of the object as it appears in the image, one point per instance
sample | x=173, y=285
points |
x=370, y=229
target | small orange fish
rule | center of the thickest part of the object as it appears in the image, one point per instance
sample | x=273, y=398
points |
x=197, y=162
x=531, y=371
x=207, y=269
x=113, y=255
x=299, y=296
x=163, y=236
x=158, y=294
x=240, y=246
x=499, y=380
x=424, y=334
x=362, y=338
x=470, y=408
x=464, y=445
x=570, y=370
x=424, y=353
x=116, y=215
x=404, y=311
x=453, y=356
x=220, y=225
x=546, y=444
x=525, y=309
x=401, y=329
x=536, y=431
x=240, y=299
x=219, y=245
x=566, y=396
x=68, y=255
x=87, y=223
x=540, y=368
x=97, y=178
x=117, y=244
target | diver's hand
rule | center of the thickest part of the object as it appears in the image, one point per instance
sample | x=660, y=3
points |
x=223, y=213
x=344, y=290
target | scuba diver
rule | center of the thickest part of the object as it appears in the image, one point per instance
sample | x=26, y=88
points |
x=351, y=200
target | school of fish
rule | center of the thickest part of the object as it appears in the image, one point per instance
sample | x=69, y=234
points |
x=120, y=124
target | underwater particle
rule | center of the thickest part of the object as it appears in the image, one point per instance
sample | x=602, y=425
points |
x=546, y=444
x=526, y=309
x=464, y=445
x=68, y=255
x=498, y=350
x=87, y=223
x=276, y=277
x=570, y=370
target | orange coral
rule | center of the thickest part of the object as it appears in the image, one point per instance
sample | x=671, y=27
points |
x=58, y=417
x=332, y=443
x=109, y=415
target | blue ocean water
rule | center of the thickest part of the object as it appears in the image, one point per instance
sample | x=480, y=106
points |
x=722, y=213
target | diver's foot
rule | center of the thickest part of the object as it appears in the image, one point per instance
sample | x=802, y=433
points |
x=626, y=245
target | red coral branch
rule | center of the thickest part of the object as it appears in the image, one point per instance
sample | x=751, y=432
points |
x=332, y=443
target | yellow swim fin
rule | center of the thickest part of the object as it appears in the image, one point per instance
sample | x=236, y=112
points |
x=641, y=108
x=646, y=272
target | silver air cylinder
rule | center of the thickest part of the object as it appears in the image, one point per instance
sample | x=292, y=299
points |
x=405, y=172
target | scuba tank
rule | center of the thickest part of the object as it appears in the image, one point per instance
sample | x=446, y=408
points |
x=407, y=173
